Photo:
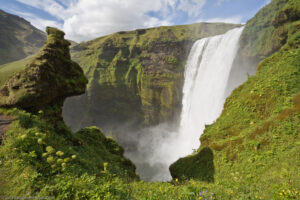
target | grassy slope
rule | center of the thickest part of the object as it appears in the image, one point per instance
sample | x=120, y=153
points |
x=7, y=70
x=37, y=159
x=255, y=142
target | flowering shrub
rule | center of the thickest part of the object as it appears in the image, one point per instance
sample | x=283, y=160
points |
x=289, y=194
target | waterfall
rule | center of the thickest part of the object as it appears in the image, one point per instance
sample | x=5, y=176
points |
x=204, y=92
x=206, y=76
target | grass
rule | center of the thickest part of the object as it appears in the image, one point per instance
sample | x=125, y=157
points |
x=40, y=160
x=36, y=152
x=7, y=70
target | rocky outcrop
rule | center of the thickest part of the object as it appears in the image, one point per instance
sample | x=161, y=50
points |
x=33, y=99
x=135, y=77
x=47, y=79
x=18, y=38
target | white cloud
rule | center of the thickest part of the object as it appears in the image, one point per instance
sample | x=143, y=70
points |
x=233, y=20
x=192, y=7
x=36, y=21
x=88, y=19
x=96, y=18
x=50, y=6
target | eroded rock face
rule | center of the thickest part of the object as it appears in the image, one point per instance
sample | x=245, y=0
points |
x=47, y=80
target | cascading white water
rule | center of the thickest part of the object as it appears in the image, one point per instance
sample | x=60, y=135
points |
x=206, y=75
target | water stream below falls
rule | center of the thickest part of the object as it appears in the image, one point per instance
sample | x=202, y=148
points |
x=204, y=92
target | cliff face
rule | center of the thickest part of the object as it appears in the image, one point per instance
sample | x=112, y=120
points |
x=135, y=77
x=18, y=38
x=47, y=79
x=255, y=141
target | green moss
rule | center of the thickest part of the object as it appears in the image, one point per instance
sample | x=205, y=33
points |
x=172, y=60
x=199, y=166
x=26, y=161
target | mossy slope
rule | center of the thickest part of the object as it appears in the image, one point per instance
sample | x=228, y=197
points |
x=255, y=142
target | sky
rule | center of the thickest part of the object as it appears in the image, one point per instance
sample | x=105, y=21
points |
x=84, y=20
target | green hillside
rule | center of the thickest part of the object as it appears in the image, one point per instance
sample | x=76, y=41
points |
x=7, y=70
x=18, y=38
